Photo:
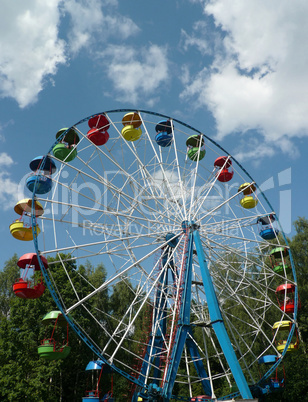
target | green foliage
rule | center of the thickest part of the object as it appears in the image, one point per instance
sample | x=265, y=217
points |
x=23, y=375
x=7, y=278
x=296, y=364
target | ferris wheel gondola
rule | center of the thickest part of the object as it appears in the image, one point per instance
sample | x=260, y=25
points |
x=151, y=202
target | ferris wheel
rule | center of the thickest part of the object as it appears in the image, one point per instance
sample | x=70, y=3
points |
x=184, y=231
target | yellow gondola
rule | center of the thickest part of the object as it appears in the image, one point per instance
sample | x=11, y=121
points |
x=21, y=230
x=248, y=200
x=131, y=130
x=284, y=327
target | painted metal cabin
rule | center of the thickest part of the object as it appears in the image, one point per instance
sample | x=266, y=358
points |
x=55, y=345
x=195, y=147
x=34, y=287
x=131, y=130
x=223, y=165
x=98, y=133
x=42, y=167
x=282, y=330
x=279, y=258
x=164, y=135
x=21, y=229
x=267, y=226
x=248, y=197
x=66, y=150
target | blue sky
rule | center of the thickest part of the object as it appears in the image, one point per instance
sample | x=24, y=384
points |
x=237, y=71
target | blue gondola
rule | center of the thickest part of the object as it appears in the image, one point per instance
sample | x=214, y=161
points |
x=267, y=227
x=274, y=383
x=43, y=168
x=96, y=368
x=164, y=136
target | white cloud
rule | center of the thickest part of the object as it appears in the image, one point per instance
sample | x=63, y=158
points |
x=8, y=191
x=8, y=188
x=258, y=79
x=136, y=72
x=198, y=38
x=5, y=159
x=29, y=47
x=90, y=24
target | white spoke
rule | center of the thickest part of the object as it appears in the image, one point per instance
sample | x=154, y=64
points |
x=126, y=204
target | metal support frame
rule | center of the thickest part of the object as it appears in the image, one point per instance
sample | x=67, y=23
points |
x=184, y=328
x=217, y=321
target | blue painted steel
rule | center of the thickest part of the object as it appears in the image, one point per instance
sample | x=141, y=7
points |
x=196, y=358
x=183, y=324
x=156, y=340
x=217, y=321
x=54, y=294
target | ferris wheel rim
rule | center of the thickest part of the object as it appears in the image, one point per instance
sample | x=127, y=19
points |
x=35, y=234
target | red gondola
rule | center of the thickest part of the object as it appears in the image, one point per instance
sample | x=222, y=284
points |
x=98, y=133
x=224, y=166
x=34, y=287
x=285, y=294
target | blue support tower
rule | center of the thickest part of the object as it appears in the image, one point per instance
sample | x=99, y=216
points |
x=217, y=321
x=183, y=329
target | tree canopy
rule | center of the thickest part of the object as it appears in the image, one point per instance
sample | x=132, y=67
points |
x=23, y=375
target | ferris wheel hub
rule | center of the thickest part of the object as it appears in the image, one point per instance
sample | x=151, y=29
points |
x=189, y=225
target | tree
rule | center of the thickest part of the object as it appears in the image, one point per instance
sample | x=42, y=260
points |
x=23, y=375
x=7, y=277
x=296, y=364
